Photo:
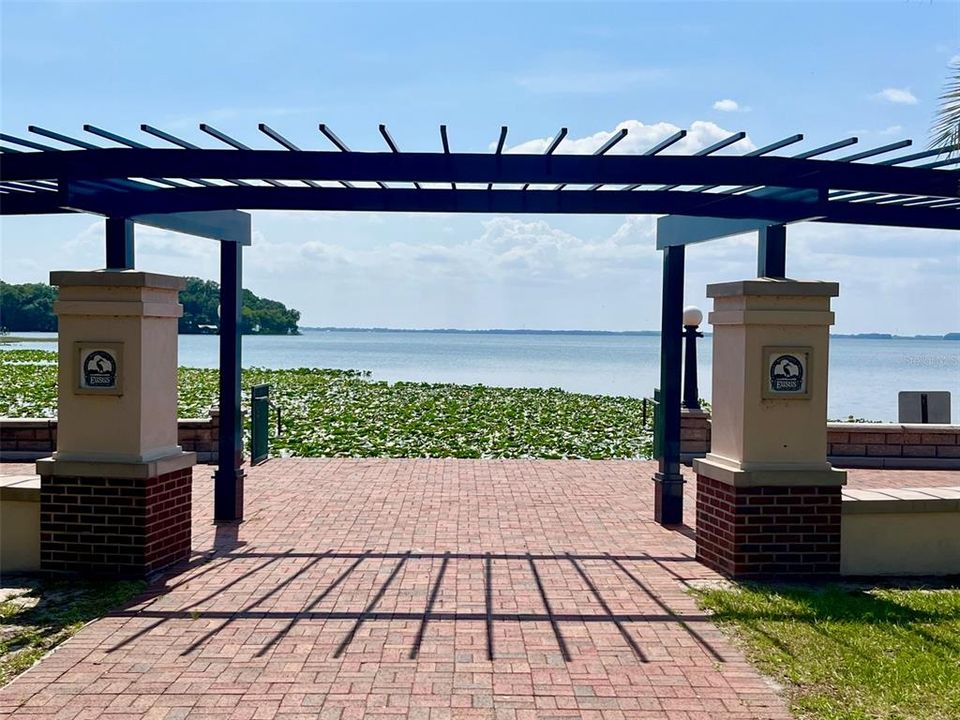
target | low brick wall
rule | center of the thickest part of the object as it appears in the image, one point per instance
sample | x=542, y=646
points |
x=768, y=532
x=694, y=434
x=116, y=527
x=856, y=445
x=24, y=439
x=200, y=435
x=893, y=445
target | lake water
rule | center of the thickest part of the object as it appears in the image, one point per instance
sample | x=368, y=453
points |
x=865, y=374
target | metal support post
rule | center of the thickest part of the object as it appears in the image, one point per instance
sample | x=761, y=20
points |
x=119, y=237
x=668, y=482
x=691, y=392
x=228, y=478
x=772, y=252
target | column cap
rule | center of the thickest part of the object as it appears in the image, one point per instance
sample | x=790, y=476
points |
x=116, y=278
x=774, y=286
x=106, y=469
x=731, y=472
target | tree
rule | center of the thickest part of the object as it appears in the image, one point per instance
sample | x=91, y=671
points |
x=946, y=124
x=201, y=299
x=29, y=308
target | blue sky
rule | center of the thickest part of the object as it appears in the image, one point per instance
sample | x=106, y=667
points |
x=771, y=69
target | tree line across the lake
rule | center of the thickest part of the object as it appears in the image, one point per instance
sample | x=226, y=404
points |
x=29, y=308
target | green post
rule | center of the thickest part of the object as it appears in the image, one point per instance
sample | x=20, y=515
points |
x=259, y=423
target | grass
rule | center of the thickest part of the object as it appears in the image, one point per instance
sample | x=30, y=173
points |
x=343, y=413
x=851, y=653
x=39, y=615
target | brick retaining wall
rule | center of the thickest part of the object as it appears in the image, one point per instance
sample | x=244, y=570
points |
x=856, y=445
x=893, y=445
x=694, y=434
x=767, y=532
x=849, y=444
x=33, y=438
x=118, y=527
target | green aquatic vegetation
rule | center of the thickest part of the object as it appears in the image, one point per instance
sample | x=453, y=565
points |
x=343, y=413
x=28, y=383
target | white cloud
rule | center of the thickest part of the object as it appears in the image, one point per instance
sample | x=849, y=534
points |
x=511, y=271
x=506, y=249
x=639, y=139
x=955, y=60
x=726, y=105
x=898, y=96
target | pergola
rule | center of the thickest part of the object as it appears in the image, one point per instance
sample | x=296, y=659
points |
x=703, y=196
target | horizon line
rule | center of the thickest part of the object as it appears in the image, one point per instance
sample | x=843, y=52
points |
x=545, y=331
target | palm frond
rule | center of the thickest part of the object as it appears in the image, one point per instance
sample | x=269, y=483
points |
x=945, y=132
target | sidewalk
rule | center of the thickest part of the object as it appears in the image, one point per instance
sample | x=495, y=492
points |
x=420, y=589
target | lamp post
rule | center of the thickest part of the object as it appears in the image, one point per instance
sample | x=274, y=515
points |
x=692, y=317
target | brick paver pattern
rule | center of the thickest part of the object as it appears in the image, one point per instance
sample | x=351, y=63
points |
x=421, y=589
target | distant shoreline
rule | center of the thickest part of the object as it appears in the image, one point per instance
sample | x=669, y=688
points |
x=503, y=331
x=641, y=333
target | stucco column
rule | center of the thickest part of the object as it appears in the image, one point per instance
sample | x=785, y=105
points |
x=116, y=494
x=768, y=502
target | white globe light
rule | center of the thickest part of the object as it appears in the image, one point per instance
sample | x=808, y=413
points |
x=692, y=316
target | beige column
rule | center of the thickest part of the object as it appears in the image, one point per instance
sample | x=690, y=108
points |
x=117, y=464
x=769, y=431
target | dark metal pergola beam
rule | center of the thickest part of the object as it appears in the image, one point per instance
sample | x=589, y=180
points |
x=949, y=150
x=873, y=152
x=274, y=135
x=726, y=142
x=478, y=168
x=772, y=252
x=806, y=155
x=499, y=151
x=445, y=142
x=772, y=209
x=391, y=143
x=180, y=142
x=120, y=139
x=551, y=147
x=759, y=152
x=340, y=145
x=662, y=145
x=232, y=142
x=602, y=150
x=26, y=143
x=84, y=145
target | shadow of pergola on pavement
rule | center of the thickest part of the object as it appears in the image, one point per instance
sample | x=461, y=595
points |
x=254, y=610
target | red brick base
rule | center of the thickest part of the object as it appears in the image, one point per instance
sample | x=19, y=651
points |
x=116, y=527
x=767, y=532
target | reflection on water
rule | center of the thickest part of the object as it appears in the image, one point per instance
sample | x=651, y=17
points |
x=865, y=375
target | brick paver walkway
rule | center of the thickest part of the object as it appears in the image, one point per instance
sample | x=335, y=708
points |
x=421, y=589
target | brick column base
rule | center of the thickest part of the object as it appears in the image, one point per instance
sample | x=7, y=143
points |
x=115, y=527
x=768, y=532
